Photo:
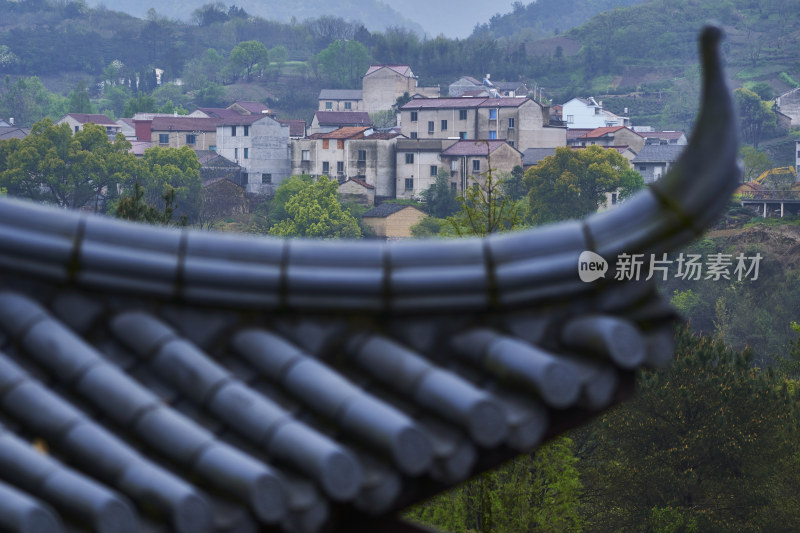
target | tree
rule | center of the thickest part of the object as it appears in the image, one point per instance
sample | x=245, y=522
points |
x=198, y=72
x=171, y=169
x=485, y=209
x=708, y=444
x=756, y=115
x=78, y=99
x=440, y=198
x=343, y=63
x=755, y=162
x=52, y=165
x=144, y=103
x=278, y=54
x=28, y=101
x=315, y=211
x=246, y=55
x=133, y=207
x=573, y=183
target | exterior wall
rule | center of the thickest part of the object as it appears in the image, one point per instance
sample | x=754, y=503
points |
x=651, y=172
x=530, y=126
x=381, y=89
x=339, y=105
x=583, y=115
x=458, y=87
x=206, y=140
x=397, y=225
x=420, y=170
x=352, y=190
x=75, y=126
x=463, y=172
x=454, y=124
x=268, y=161
x=379, y=169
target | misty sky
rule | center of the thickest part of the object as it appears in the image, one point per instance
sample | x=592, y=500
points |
x=453, y=18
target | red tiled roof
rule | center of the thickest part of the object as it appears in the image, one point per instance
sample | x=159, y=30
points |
x=184, y=124
x=360, y=182
x=297, y=127
x=462, y=102
x=347, y=132
x=601, y=132
x=252, y=107
x=474, y=148
x=86, y=118
x=334, y=118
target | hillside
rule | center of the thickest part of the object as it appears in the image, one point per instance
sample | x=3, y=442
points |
x=375, y=15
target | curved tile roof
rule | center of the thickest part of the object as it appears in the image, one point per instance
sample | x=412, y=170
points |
x=194, y=382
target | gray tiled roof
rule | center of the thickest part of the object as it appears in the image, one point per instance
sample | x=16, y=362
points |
x=532, y=156
x=658, y=153
x=340, y=94
x=194, y=382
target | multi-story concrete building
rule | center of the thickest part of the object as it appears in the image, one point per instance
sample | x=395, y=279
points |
x=611, y=136
x=174, y=132
x=472, y=160
x=341, y=100
x=260, y=145
x=76, y=122
x=382, y=85
x=349, y=152
x=328, y=121
x=418, y=164
x=523, y=122
x=589, y=113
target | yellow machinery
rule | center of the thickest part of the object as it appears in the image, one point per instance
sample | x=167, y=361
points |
x=778, y=170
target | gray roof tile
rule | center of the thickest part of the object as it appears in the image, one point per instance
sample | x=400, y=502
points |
x=234, y=383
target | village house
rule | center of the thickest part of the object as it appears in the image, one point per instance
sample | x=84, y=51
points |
x=655, y=160
x=260, y=145
x=175, y=132
x=382, y=85
x=355, y=189
x=341, y=100
x=467, y=85
x=677, y=138
x=789, y=105
x=589, y=113
x=297, y=127
x=521, y=121
x=349, y=152
x=468, y=161
x=418, y=164
x=77, y=121
x=392, y=221
x=616, y=136
x=327, y=121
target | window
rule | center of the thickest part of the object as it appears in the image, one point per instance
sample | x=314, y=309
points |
x=434, y=170
x=413, y=116
x=325, y=144
x=493, y=114
x=244, y=177
x=340, y=166
x=613, y=198
x=453, y=185
x=444, y=125
x=493, y=134
x=348, y=106
x=453, y=165
x=233, y=131
x=305, y=155
x=325, y=167
x=413, y=134
x=163, y=138
x=191, y=139
x=462, y=134
x=462, y=114
x=246, y=131
x=596, y=110
x=642, y=168
x=236, y=154
x=77, y=129
x=246, y=153
x=328, y=105
x=476, y=165
x=266, y=179
x=409, y=184
x=362, y=155
x=212, y=147
x=430, y=126
x=340, y=144
x=511, y=143
x=570, y=119
x=510, y=123
x=409, y=158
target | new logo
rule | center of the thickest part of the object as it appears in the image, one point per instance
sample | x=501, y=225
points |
x=591, y=266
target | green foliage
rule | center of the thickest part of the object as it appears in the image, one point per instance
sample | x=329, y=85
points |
x=788, y=80
x=755, y=162
x=246, y=55
x=278, y=54
x=28, y=101
x=133, y=207
x=343, y=63
x=706, y=445
x=78, y=100
x=440, y=198
x=315, y=211
x=756, y=116
x=173, y=171
x=485, y=209
x=573, y=183
x=428, y=227
x=52, y=165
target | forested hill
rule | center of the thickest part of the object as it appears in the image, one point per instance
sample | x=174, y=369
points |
x=545, y=18
x=373, y=14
